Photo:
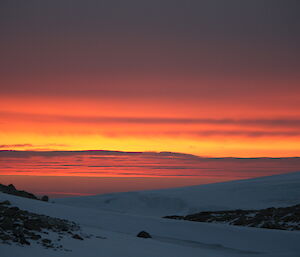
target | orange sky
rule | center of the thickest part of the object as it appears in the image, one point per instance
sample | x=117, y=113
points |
x=207, y=78
x=203, y=77
x=206, y=129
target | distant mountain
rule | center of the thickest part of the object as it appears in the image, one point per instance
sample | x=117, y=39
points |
x=257, y=193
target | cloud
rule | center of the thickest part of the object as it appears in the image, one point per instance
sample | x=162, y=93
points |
x=16, y=145
x=12, y=146
x=236, y=133
x=114, y=39
x=114, y=163
x=274, y=122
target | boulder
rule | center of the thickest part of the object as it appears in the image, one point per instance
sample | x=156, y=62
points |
x=144, y=234
x=7, y=224
x=76, y=236
x=11, y=212
x=45, y=198
x=5, y=203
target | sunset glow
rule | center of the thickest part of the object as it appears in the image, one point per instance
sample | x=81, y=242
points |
x=134, y=125
x=95, y=172
x=207, y=79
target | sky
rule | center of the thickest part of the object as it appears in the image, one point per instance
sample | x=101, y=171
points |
x=208, y=78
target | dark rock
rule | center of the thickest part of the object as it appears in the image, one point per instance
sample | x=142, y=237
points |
x=45, y=198
x=64, y=228
x=175, y=217
x=32, y=225
x=267, y=212
x=76, y=236
x=5, y=237
x=46, y=241
x=287, y=218
x=5, y=203
x=11, y=212
x=242, y=221
x=35, y=237
x=7, y=224
x=144, y=234
x=270, y=225
x=292, y=218
x=11, y=187
x=19, y=226
x=23, y=241
x=201, y=217
x=19, y=236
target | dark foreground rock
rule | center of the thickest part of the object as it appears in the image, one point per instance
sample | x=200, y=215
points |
x=76, y=236
x=23, y=227
x=10, y=189
x=45, y=198
x=285, y=218
x=144, y=234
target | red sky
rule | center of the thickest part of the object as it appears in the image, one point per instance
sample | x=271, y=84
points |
x=64, y=173
x=203, y=77
x=209, y=78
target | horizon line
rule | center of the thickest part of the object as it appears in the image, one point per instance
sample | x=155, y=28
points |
x=142, y=152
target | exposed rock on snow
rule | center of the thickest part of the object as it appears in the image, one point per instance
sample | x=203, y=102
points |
x=287, y=218
x=10, y=189
x=45, y=198
x=23, y=227
x=144, y=234
x=76, y=236
x=172, y=237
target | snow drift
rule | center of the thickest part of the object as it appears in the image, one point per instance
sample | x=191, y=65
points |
x=257, y=193
x=174, y=238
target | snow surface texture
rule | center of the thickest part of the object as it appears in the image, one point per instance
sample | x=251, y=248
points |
x=174, y=238
x=257, y=193
x=169, y=237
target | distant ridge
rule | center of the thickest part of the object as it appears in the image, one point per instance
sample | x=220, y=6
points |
x=25, y=153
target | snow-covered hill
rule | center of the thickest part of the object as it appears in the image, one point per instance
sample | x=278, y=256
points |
x=117, y=230
x=257, y=193
x=169, y=237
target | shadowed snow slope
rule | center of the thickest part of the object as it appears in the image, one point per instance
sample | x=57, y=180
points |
x=257, y=193
x=169, y=237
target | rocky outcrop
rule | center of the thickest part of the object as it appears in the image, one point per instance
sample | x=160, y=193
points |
x=23, y=227
x=285, y=218
x=10, y=189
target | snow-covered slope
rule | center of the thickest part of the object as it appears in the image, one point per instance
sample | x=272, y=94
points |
x=170, y=237
x=257, y=193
